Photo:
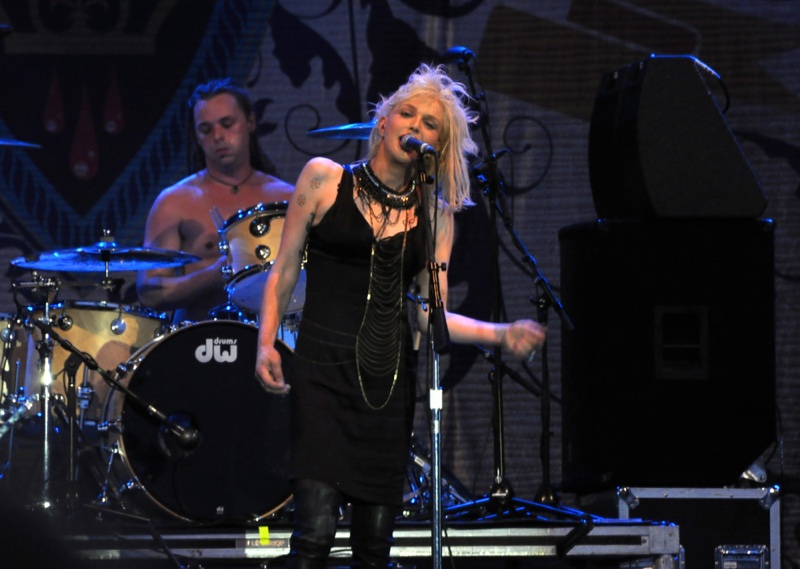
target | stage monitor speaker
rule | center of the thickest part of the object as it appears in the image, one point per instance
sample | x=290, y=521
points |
x=659, y=146
x=668, y=379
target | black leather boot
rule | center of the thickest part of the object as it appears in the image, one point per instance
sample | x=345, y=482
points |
x=316, y=512
x=371, y=532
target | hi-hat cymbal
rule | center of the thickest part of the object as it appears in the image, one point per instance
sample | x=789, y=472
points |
x=104, y=256
x=353, y=131
x=19, y=143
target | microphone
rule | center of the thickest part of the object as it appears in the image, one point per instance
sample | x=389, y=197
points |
x=189, y=438
x=409, y=143
x=178, y=437
x=457, y=54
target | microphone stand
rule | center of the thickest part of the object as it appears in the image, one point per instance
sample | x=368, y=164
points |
x=501, y=492
x=501, y=498
x=544, y=299
x=440, y=343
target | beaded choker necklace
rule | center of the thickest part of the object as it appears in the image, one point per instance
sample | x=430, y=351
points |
x=382, y=193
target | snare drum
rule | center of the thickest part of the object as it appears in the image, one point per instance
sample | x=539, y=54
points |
x=251, y=240
x=108, y=332
x=202, y=376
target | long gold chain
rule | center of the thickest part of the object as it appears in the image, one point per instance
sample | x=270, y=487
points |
x=380, y=326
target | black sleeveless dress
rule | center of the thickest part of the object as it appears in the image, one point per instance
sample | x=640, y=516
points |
x=337, y=437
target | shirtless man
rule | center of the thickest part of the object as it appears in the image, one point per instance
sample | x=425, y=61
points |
x=232, y=176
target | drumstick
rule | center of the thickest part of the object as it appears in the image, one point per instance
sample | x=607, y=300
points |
x=216, y=216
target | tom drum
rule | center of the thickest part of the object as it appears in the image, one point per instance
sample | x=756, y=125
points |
x=251, y=240
x=108, y=332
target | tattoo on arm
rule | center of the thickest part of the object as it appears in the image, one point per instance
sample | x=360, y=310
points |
x=315, y=184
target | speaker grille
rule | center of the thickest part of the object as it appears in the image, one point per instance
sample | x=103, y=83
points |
x=669, y=376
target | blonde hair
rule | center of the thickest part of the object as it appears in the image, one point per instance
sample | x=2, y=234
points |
x=454, y=137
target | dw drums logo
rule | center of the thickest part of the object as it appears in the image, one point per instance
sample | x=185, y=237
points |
x=221, y=350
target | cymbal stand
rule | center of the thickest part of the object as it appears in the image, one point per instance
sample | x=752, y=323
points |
x=501, y=499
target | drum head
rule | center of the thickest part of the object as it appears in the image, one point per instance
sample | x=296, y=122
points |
x=203, y=376
x=247, y=289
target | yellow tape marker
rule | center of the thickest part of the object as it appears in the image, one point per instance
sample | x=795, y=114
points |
x=263, y=535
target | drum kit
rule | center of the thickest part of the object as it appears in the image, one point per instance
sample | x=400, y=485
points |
x=217, y=451
x=164, y=420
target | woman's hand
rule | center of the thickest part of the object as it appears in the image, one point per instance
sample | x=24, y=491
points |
x=523, y=337
x=269, y=371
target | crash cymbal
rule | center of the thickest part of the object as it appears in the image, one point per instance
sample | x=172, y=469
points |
x=19, y=143
x=104, y=256
x=353, y=131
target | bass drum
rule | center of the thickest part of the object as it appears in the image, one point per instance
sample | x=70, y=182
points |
x=202, y=376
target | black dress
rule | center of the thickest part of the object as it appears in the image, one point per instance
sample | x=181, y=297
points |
x=341, y=435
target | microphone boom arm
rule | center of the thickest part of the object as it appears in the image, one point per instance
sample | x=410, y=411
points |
x=186, y=436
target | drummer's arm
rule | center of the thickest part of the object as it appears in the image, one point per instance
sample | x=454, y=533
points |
x=167, y=289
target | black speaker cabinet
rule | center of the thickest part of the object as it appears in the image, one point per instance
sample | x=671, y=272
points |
x=659, y=146
x=669, y=376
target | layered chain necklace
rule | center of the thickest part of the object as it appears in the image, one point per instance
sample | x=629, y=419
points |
x=379, y=346
x=234, y=187
x=379, y=339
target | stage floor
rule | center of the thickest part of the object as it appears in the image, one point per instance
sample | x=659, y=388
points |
x=607, y=543
x=127, y=530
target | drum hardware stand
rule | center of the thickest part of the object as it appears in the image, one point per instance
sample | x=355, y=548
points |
x=47, y=286
x=501, y=498
x=18, y=410
x=420, y=486
x=187, y=437
x=12, y=405
x=15, y=398
x=8, y=336
x=101, y=502
x=439, y=344
x=85, y=395
x=78, y=401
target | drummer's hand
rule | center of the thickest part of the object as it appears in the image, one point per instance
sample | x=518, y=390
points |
x=523, y=338
x=269, y=372
x=217, y=267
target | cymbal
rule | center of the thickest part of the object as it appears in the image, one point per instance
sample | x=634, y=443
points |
x=12, y=142
x=104, y=256
x=352, y=131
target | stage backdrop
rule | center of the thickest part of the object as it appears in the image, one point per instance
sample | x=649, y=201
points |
x=102, y=89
